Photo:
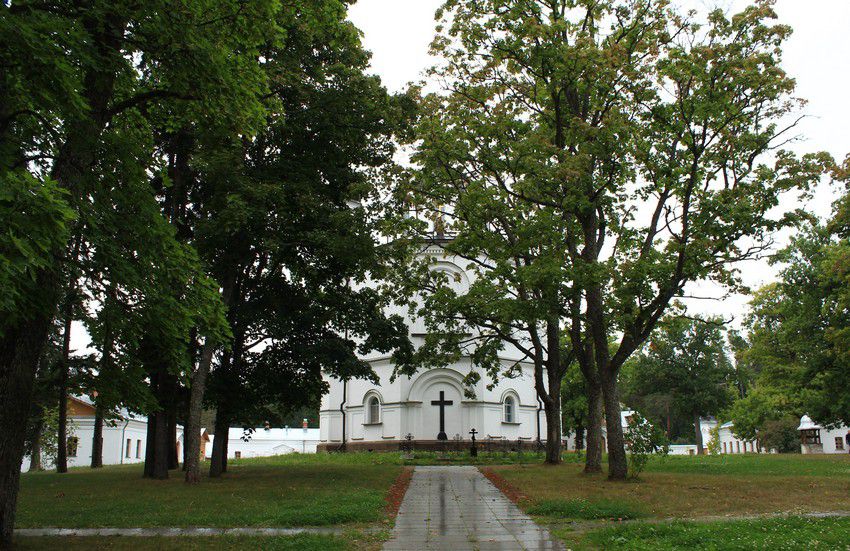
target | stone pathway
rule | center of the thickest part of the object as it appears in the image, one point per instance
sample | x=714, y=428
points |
x=458, y=509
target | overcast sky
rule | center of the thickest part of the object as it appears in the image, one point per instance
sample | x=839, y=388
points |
x=398, y=32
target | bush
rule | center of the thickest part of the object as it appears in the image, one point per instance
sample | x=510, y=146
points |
x=781, y=435
x=643, y=439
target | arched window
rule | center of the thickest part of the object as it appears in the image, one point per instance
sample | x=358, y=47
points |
x=374, y=410
x=510, y=410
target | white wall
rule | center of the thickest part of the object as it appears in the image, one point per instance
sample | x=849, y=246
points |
x=264, y=443
x=114, y=442
x=828, y=441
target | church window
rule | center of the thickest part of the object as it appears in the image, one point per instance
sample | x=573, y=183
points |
x=738, y=446
x=127, y=449
x=138, y=449
x=724, y=447
x=237, y=455
x=374, y=410
x=839, y=443
x=72, y=446
x=510, y=414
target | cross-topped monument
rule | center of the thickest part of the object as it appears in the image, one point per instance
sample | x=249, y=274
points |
x=442, y=402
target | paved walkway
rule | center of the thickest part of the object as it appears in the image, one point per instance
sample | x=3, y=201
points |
x=458, y=509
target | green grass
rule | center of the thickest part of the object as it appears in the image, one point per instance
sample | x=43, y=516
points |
x=789, y=533
x=755, y=464
x=292, y=490
x=301, y=542
x=692, y=487
x=584, y=509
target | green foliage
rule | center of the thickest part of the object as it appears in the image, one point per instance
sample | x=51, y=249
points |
x=588, y=160
x=797, y=326
x=713, y=444
x=683, y=372
x=643, y=440
x=573, y=400
x=584, y=509
x=34, y=220
x=781, y=435
x=281, y=227
x=49, y=434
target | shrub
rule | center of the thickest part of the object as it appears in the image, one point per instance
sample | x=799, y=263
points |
x=643, y=439
x=781, y=435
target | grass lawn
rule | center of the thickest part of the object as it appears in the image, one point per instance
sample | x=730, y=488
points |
x=283, y=491
x=688, y=487
x=779, y=533
x=305, y=542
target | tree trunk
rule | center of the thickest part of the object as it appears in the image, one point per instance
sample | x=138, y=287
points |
x=593, y=458
x=171, y=415
x=160, y=460
x=62, y=443
x=97, y=439
x=618, y=468
x=150, y=447
x=35, y=456
x=184, y=457
x=553, y=432
x=192, y=430
x=218, y=461
x=579, y=441
x=700, y=446
x=20, y=350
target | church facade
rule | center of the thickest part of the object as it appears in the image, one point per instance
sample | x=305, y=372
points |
x=430, y=407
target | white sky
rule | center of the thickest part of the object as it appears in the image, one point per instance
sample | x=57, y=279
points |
x=398, y=33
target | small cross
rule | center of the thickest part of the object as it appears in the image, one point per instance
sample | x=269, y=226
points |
x=473, y=432
x=442, y=402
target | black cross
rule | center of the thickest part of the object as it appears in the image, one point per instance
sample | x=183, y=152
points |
x=473, y=450
x=442, y=402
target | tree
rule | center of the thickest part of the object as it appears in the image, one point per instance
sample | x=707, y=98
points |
x=592, y=158
x=71, y=75
x=581, y=412
x=687, y=364
x=798, y=332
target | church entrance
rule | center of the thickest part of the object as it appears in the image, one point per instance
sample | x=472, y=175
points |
x=441, y=412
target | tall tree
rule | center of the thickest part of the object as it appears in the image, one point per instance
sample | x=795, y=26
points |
x=71, y=72
x=284, y=233
x=798, y=332
x=600, y=155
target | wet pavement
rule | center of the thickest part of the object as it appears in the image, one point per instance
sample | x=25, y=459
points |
x=457, y=508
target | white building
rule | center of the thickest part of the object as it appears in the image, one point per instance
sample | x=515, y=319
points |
x=368, y=416
x=728, y=443
x=264, y=442
x=816, y=439
x=124, y=438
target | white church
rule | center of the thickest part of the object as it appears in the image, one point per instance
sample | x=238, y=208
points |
x=430, y=406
